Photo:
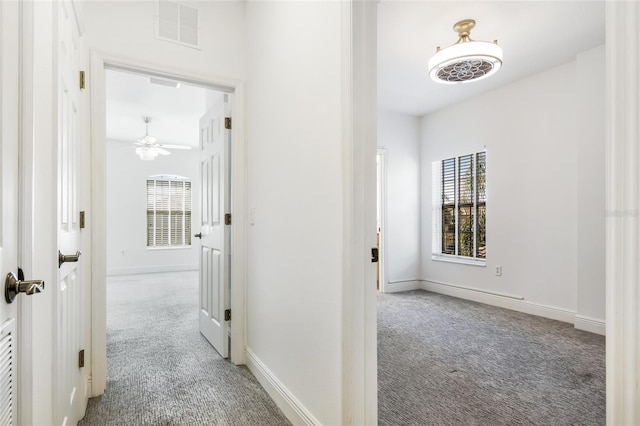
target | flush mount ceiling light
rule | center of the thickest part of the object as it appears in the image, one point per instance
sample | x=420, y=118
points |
x=467, y=60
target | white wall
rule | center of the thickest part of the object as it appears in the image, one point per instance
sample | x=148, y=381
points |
x=294, y=276
x=399, y=136
x=127, y=251
x=127, y=29
x=535, y=132
x=591, y=184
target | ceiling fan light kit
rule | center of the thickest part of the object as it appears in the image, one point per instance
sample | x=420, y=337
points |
x=467, y=60
x=148, y=149
x=146, y=153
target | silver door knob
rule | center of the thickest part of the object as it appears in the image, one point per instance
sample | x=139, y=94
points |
x=13, y=286
x=62, y=258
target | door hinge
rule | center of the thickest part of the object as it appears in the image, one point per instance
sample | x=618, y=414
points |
x=81, y=358
x=82, y=220
x=227, y=314
x=227, y=218
x=227, y=123
x=374, y=255
x=82, y=80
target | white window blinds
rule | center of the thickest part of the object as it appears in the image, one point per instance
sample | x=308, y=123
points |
x=168, y=213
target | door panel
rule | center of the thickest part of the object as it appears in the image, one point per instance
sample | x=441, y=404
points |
x=214, y=199
x=9, y=107
x=69, y=387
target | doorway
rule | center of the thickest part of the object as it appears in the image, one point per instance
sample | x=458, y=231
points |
x=102, y=250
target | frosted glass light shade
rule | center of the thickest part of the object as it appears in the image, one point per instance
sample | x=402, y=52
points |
x=146, y=153
x=465, y=61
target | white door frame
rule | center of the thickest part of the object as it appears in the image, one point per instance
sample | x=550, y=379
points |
x=622, y=235
x=98, y=201
x=26, y=214
x=360, y=357
x=382, y=190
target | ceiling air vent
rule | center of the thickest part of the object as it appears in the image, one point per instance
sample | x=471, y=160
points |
x=178, y=23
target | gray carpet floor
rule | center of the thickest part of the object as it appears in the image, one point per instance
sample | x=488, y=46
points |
x=161, y=371
x=448, y=361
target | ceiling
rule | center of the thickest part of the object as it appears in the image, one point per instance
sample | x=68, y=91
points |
x=534, y=35
x=174, y=112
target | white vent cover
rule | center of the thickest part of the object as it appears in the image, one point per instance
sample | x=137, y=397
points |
x=178, y=22
x=7, y=374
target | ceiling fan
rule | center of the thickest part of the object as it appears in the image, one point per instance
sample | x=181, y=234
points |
x=147, y=148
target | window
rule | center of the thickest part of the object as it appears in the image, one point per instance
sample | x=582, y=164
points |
x=460, y=205
x=168, y=212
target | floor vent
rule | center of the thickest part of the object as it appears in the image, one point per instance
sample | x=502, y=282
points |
x=178, y=23
x=7, y=374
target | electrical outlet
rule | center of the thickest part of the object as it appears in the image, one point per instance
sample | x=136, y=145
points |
x=498, y=271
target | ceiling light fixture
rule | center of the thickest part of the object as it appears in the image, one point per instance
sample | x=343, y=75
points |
x=146, y=147
x=467, y=60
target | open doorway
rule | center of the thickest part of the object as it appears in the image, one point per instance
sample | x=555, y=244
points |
x=129, y=157
x=421, y=134
x=168, y=192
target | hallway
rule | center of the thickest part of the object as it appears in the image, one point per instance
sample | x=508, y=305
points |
x=161, y=371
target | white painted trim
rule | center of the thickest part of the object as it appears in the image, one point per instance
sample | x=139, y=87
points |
x=622, y=215
x=515, y=304
x=402, y=285
x=438, y=257
x=98, y=230
x=293, y=409
x=477, y=290
x=359, y=329
x=134, y=270
x=238, y=325
x=100, y=60
x=592, y=325
x=383, y=153
x=26, y=216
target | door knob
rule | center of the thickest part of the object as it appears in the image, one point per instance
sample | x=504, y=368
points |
x=198, y=235
x=13, y=286
x=67, y=257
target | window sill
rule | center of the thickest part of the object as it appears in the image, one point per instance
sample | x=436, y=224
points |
x=169, y=248
x=458, y=259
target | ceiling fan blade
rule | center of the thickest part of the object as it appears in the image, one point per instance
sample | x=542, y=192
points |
x=173, y=146
x=162, y=151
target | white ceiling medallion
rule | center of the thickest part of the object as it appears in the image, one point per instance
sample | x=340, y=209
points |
x=467, y=60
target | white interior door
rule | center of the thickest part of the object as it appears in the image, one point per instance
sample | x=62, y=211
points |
x=69, y=388
x=214, y=202
x=9, y=107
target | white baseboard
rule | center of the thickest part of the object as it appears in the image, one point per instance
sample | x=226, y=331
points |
x=514, y=304
x=591, y=325
x=150, y=269
x=297, y=413
x=404, y=285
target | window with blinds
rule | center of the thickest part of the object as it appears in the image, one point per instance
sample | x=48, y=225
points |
x=168, y=213
x=460, y=206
